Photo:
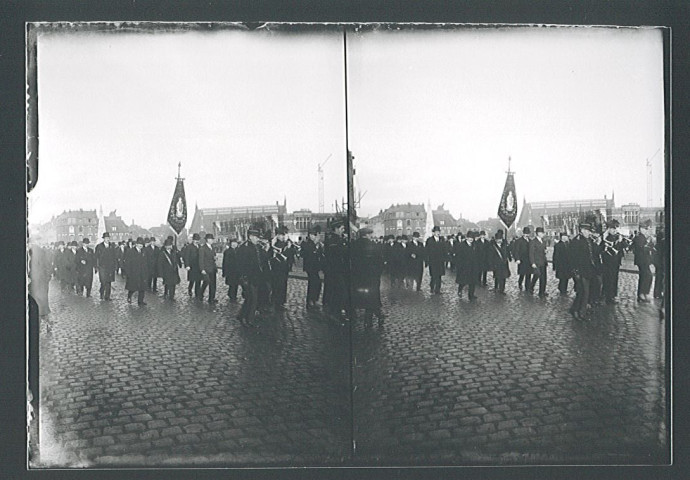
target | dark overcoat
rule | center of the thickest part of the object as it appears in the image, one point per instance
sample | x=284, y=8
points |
x=252, y=260
x=581, y=252
x=398, y=259
x=137, y=270
x=231, y=271
x=190, y=256
x=62, y=265
x=85, y=262
x=467, y=264
x=436, y=256
x=416, y=257
x=70, y=266
x=642, y=250
x=367, y=266
x=151, y=254
x=521, y=253
x=561, y=263
x=168, y=267
x=498, y=258
x=484, y=253
x=312, y=255
x=207, y=259
x=106, y=262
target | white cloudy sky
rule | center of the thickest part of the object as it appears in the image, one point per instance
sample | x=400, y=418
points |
x=435, y=115
x=432, y=115
x=249, y=114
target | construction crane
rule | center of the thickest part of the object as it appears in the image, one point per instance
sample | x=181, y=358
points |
x=320, y=170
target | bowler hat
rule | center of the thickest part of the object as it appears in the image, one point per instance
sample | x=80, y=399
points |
x=482, y=232
x=415, y=235
x=499, y=235
x=586, y=226
x=209, y=236
x=153, y=239
x=526, y=230
x=436, y=228
x=405, y=237
x=106, y=235
x=86, y=241
x=539, y=230
x=168, y=242
x=140, y=241
x=196, y=237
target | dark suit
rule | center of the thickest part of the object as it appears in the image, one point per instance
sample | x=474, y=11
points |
x=581, y=257
x=252, y=260
x=643, y=259
x=613, y=249
x=190, y=257
x=336, y=273
x=537, y=256
x=85, y=262
x=312, y=255
x=561, y=265
x=207, y=267
x=499, y=256
x=151, y=252
x=467, y=266
x=416, y=261
x=521, y=253
x=106, y=262
x=137, y=273
x=436, y=259
x=280, y=269
x=483, y=250
x=367, y=266
x=397, y=264
x=231, y=272
x=168, y=267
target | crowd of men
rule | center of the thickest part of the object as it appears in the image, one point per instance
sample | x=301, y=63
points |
x=352, y=269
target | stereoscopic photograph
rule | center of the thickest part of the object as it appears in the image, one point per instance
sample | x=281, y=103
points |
x=346, y=245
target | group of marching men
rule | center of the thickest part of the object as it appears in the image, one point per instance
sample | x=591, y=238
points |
x=352, y=270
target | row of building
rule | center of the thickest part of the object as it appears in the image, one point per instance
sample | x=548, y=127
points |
x=399, y=219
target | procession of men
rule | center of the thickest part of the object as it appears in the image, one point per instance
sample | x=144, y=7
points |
x=345, y=271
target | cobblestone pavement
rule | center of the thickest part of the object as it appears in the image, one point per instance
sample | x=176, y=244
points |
x=183, y=383
x=510, y=380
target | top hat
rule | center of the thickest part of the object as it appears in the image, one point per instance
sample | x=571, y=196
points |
x=209, y=236
x=196, y=237
x=106, y=235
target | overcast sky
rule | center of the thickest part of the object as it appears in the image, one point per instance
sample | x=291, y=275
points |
x=249, y=114
x=435, y=115
x=432, y=115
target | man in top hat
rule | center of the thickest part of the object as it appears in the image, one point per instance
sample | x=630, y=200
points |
x=168, y=267
x=85, y=263
x=190, y=257
x=367, y=265
x=436, y=258
x=151, y=251
x=561, y=263
x=612, y=252
x=417, y=257
x=467, y=265
x=137, y=272
x=499, y=256
x=106, y=263
x=537, y=259
x=521, y=256
x=312, y=255
x=280, y=267
x=581, y=255
x=230, y=269
x=207, y=267
x=643, y=248
x=336, y=270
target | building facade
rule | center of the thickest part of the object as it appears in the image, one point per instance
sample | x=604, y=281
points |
x=75, y=225
x=404, y=219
